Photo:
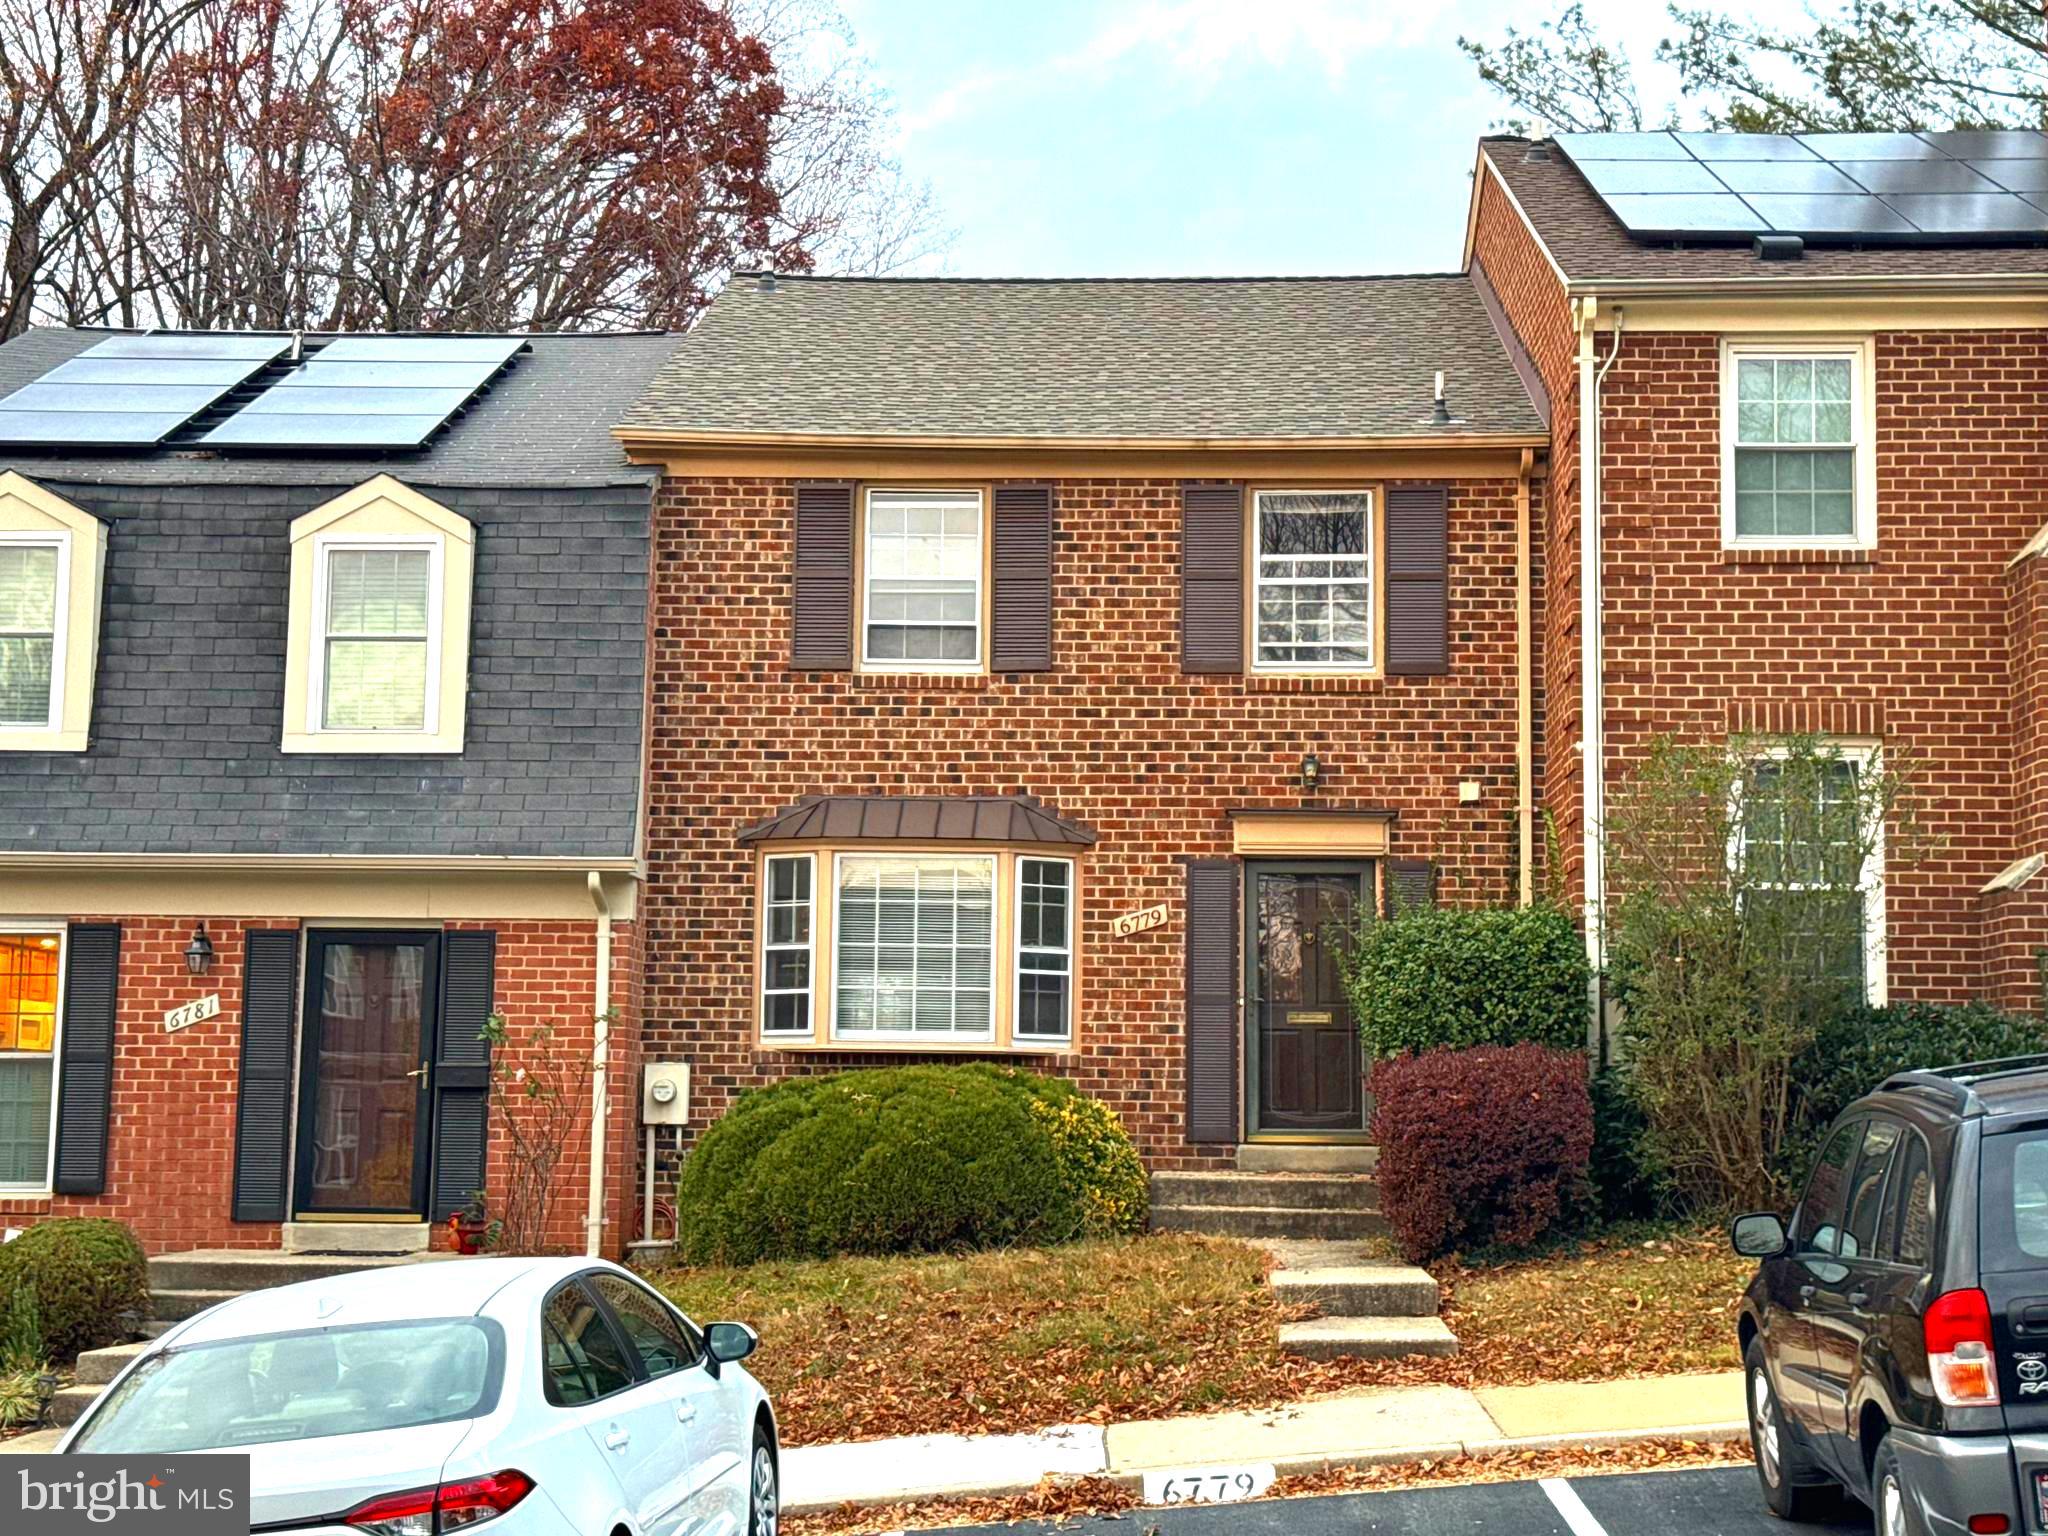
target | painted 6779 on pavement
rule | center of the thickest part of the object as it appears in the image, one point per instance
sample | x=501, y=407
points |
x=545, y=1397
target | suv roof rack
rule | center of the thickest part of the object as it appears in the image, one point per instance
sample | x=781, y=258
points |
x=1957, y=1081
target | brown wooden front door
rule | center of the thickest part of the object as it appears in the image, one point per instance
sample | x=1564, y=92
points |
x=1304, y=1051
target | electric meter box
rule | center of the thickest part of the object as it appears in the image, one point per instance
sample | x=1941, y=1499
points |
x=665, y=1093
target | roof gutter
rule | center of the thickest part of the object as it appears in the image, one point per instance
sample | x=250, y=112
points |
x=670, y=437
x=1859, y=285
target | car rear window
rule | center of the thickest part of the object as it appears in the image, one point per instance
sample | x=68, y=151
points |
x=2013, y=1215
x=294, y=1386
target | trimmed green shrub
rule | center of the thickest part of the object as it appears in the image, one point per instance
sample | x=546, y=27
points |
x=1858, y=1049
x=89, y=1279
x=1448, y=976
x=906, y=1159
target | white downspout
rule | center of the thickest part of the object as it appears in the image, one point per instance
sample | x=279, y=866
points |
x=1592, y=734
x=600, y=1053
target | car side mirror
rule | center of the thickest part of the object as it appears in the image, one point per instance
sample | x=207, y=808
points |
x=730, y=1343
x=1758, y=1235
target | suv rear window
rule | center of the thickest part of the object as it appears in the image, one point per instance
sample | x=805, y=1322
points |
x=2013, y=1216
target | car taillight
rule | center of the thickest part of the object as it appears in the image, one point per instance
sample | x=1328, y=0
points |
x=450, y=1507
x=1959, y=1356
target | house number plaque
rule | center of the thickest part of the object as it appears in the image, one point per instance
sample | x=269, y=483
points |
x=1137, y=922
x=198, y=1011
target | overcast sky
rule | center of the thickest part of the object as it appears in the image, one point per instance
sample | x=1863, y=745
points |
x=1162, y=137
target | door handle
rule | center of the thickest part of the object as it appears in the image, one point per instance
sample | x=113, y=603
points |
x=685, y=1411
x=417, y=1072
x=617, y=1440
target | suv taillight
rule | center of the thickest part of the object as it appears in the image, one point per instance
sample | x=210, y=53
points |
x=450, y=1507
x=1959, y=1354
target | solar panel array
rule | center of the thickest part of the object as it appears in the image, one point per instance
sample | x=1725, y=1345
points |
x=368, y=392
x=1957, y=188
x=133, y=391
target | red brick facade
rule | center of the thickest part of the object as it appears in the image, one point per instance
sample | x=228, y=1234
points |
x=171, y=1139
x=1115, y=736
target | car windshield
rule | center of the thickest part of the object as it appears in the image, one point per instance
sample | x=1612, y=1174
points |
x=292, y=1386
x=2015, y=1201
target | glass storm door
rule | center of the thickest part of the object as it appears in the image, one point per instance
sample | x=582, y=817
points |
x=1304, y=1050
x=365, y=1092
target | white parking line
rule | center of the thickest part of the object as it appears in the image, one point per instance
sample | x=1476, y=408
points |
x=1568, y=1503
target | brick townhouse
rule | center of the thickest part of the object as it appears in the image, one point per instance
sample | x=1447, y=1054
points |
x=321, y=682
x=1797, y=390
x=1040, y=667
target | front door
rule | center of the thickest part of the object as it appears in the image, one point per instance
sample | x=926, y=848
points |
x=365, y=1065
x=1304, y=1051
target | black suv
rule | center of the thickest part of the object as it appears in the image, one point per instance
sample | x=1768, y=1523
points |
x=1895, y=1341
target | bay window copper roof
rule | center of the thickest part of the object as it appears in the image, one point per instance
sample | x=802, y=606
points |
x=919, y=818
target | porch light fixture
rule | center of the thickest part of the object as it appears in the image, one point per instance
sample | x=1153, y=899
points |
x=1311, y=772
x=199, y=953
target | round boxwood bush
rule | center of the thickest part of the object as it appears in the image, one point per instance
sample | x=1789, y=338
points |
x=905, y=1159
x=1448, y=976
x=89, y=1280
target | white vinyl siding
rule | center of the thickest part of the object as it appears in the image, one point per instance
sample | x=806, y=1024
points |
x=1796, y=436
x=1312, y=581
x=31, y=577
x=1045, y=949
x=376, y=662
x=921, y=563
x=914, y=947
x=787, y=962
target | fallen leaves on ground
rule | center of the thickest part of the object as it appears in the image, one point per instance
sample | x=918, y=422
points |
x=1003, y=1342
x=1083, y=1497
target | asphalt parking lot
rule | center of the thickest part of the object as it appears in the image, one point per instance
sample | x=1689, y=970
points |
x=1717, y=1501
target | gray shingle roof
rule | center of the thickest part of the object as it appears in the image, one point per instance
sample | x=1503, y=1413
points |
x=1275, y=358
x=547, y=422
x=946, y=818
x=1589, y=242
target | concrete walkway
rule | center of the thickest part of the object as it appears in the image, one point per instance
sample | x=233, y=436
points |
x=1358, y=1429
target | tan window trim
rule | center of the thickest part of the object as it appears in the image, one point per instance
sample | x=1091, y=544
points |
x=985, y=622
x=1376, y=575
x=1003, y=978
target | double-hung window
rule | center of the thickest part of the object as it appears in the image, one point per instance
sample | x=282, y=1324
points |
x=926, y=947
x=1312, y=581
x=921, y=563
x=1811, y=872
x=1798, y=461
x=32, y=582
x=29, y=963
x=377, y=638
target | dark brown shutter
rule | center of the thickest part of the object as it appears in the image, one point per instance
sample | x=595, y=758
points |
x=85, y=1072
x=263, y=1092
x=462, y=1070
x=1023, y=573
x=1418, y=581
x=1410, y=883
x=1212, y=578
x=822, y=634
x=1212, y=1000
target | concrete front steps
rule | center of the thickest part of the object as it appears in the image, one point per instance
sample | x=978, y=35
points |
x=1367, y=1307
x=1267, y=1205
x=183, y=1285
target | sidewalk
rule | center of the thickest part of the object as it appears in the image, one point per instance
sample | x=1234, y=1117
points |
x=1358, y=1429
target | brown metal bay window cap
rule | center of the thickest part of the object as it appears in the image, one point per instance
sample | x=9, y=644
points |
x=919, y=818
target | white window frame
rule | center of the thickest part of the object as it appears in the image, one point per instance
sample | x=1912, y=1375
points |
x=53, y=713
x=1867, y=756
x=1019, y=948
x=1861, y=354
x=810, y=947
x=16, y=1190
x=1260, y=581
x=981, y=582
x=857, y=1038
x=324, y=547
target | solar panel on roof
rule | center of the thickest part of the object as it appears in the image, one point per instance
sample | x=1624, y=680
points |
x=1878, y=188
x=391, y=392
x=132, y=391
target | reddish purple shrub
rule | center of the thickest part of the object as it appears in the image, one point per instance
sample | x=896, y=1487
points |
x=1488, y=1145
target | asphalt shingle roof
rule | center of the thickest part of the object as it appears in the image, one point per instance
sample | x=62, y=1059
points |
x=1589, y=242
x=1278, y=358
x=545, y=422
